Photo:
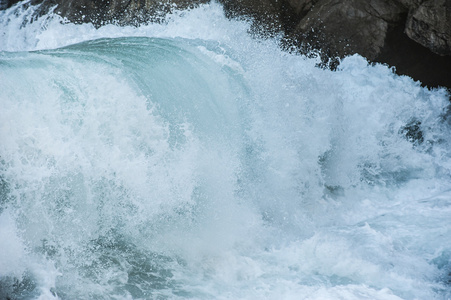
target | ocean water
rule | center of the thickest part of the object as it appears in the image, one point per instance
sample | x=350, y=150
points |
x=191, y=160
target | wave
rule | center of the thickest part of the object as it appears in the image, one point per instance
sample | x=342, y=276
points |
x=190, y=160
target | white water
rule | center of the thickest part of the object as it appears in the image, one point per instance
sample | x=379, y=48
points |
x=189, y=160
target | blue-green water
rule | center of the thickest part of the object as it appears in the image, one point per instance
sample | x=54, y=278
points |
x=190, y=160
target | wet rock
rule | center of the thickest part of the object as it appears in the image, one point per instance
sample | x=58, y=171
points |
x=412, y=59
x=121, y=12
x=414, y=36
x=349, y=26
x=4, y=4
x=429, y=24
x=411, y=35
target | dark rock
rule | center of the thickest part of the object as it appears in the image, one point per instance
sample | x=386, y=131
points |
x=429, y=24
x=412, y=35
x=349, y=26
x=4, y=4
x=121, y=12
x=269, y=16
x=414, y=60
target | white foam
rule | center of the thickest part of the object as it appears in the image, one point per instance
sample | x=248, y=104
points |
x=263, y=177
x=12, y=248
x=51, y=31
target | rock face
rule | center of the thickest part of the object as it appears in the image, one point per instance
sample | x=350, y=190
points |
x=412, y=35
x=122, y=12
x=350, y=26
x=429, y=24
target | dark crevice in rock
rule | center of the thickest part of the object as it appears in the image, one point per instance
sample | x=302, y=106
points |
x=289, y=17
x=412, y=59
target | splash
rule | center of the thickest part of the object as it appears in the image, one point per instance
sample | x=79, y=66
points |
x=190, y=160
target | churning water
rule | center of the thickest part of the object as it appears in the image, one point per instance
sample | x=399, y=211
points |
x=189, y=160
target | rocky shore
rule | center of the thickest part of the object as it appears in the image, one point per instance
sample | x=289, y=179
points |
x=414, y=36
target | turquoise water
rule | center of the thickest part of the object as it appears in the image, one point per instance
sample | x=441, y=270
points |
x=190, y=160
